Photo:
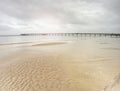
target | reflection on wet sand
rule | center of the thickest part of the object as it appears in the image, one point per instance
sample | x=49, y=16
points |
x=111, y=48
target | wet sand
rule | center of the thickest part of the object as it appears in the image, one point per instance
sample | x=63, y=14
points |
x=60, y=67
x=14, y=43
x=48, y=44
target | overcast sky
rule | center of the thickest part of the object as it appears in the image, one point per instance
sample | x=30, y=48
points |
x=29, y=16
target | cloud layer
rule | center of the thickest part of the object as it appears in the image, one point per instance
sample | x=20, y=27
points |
x=26, y=16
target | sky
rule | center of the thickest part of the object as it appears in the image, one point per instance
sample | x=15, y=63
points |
x=49, y=16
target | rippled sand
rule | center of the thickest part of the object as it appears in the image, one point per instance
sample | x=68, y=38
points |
x=59, y=67
x=29, y=71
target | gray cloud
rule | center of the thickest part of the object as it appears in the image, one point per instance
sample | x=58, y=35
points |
x=22, y=16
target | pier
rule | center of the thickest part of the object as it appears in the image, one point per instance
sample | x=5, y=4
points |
x=74, y=34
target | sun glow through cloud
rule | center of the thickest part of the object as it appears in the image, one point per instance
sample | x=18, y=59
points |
x=44, y=23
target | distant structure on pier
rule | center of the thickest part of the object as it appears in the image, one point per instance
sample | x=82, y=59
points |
x=73, y=34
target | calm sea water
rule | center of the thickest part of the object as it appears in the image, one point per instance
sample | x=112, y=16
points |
x=17, y=39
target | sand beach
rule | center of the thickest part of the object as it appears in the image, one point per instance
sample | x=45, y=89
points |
x=84, y=65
